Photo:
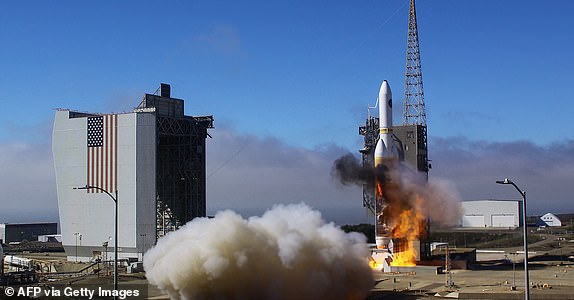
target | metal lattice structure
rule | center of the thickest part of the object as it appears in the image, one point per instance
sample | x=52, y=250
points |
x=414, y=104
x=180, y=161
x=181, y=166
x=370, y=133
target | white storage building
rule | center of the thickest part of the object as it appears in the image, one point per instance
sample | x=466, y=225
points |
x=491, y=213
x=549, y=220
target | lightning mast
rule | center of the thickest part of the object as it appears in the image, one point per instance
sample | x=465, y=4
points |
x=414, y=104
x=414, y=114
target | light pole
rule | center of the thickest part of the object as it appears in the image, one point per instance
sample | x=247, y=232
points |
x=115, y=228
x=514, y=272
x=105, y=260
x=513, y=287
x=76, y=234
x=525, y=232
x=561, y=259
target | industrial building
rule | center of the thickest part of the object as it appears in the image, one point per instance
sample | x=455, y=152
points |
x=151, y=161
x=491, y=214
x=17, y=232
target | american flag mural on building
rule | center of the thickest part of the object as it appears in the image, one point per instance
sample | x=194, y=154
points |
x=102, y=156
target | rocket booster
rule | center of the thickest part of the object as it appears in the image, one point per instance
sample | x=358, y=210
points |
x=385, y=149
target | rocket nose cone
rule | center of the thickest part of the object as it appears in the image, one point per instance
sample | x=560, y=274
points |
x=385, y=88
x=385, y=95
x=385, y=106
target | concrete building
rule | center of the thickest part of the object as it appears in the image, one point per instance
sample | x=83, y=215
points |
x=151, y=159
x=491, y=213
x=412, y=143
x=17, y=232
x=549, y=220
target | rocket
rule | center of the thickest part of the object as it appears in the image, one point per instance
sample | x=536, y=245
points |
x=385, y=149
x=386, y=154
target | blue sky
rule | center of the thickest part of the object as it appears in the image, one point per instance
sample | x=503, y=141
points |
x=297, y=73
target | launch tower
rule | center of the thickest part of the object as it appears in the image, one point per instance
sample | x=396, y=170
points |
x=180, y=160
x=411, y=136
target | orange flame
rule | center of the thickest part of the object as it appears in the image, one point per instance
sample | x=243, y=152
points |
x=400, y=220
x=379, y=190
x=409, y=227
x=375, y=265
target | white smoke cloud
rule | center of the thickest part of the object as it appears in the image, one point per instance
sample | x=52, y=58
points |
x=288, y=253
x=441, y=202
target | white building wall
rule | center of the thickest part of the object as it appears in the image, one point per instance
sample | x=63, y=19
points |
x=92, y=214
x=469, y=220
x=494, y=213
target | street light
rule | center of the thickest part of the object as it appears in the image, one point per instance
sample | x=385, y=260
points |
x=525, y=232
x=115, y=228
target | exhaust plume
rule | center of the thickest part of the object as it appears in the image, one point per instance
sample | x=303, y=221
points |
x=437, y=199
x=288, y=253
x=349, y=171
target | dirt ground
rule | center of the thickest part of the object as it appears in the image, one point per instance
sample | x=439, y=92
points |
x=551, y=281
x=551, y=269
x=551, y=276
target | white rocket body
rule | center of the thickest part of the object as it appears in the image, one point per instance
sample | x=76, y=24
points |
x=386, y=153
x=385, y=148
